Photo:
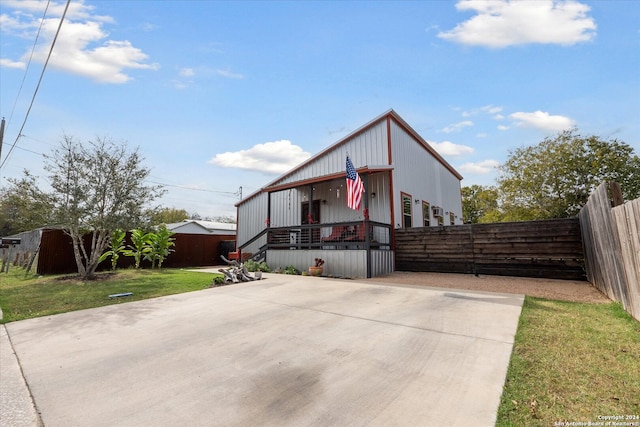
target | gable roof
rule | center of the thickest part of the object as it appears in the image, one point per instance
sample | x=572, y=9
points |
x=208, y=226
x=389, y=114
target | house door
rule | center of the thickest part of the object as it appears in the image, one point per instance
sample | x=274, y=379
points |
x=314, y=216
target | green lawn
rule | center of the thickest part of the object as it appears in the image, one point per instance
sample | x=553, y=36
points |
x=572, y=363
x=25, y=296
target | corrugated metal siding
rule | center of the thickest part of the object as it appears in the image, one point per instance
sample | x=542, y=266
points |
x=285, y=207
x=368, y=148
x=333, y=202
x=382, y=263
x=56, y=253
x=365, y=149
x=352, y=263
x=421, y=175
x=251, y=221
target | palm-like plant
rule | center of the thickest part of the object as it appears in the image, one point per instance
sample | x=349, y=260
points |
x=160, y=243
x=116, y=247
x=141, y=242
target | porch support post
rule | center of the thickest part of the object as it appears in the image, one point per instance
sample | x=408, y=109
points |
x=367, y=236
x=268, y=210
x=310, y=216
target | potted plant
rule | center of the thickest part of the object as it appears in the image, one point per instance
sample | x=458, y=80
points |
x=316, y=269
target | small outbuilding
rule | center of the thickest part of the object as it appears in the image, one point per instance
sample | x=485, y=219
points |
x=397, y=179
x=192, y=226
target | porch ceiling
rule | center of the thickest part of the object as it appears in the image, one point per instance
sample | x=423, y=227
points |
x=325, y=178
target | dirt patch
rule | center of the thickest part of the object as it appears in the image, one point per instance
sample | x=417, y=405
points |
x=564, y=290
x=97, y=277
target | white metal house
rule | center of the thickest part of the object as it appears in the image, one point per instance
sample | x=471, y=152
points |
x=303, y=214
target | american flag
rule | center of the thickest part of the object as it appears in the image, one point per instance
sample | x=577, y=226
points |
x=355, y=188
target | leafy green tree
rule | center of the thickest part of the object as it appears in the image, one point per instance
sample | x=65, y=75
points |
x=160, y=244
x=479, y=204
x=140, y=246
x=224, y=219
x=116, y=247
x=97, y=188
x=23, y=206
x=168, y=216
x=554, y=178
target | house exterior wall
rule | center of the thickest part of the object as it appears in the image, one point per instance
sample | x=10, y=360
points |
x=352, y=263
x=251, y=217
x=418, y=173
x=366, y=148
x=411, y=167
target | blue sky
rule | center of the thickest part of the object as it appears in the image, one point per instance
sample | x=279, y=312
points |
x=222, y=95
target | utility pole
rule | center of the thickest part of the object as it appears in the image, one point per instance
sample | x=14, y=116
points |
x=1, y=137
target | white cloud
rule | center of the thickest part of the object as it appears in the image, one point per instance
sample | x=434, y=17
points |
x=271, y=157
x=502, y=23
x=447, y=148
x=187, y=72
x=489, y=109
x=503, y=127
x=542, y=120
x=12, y=64
x=457, y=126
x=228, y=74
x=481, y=168
x=82, y=46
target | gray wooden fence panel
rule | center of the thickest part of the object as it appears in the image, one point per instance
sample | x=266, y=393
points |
x=627, y=220
x=602, y=246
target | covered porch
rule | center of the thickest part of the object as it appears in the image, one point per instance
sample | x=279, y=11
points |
x=309, y=220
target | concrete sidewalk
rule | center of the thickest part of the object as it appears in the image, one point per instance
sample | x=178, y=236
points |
x=288, y=350
x=16, y=406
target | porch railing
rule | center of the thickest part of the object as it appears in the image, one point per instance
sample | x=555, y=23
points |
x=339, y=235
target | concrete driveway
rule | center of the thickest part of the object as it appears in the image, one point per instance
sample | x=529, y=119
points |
x=288, y=350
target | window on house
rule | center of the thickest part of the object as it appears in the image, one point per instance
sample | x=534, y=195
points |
x=441, y=220
x=452, y=218
x=426, y=214
x=406, y=210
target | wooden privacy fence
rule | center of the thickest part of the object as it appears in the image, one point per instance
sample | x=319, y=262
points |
x=55, y=253
x=546, y=249
x=612, y=248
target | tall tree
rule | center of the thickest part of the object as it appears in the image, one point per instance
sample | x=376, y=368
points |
x=97, y=187
x=554, y=178
x=479, y=204
x=168, y=216
x=23, y=206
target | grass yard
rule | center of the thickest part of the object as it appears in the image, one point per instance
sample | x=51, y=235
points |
x=573, y=363
x=25, y=296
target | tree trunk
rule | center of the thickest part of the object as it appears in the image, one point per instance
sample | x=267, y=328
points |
x=78, y=250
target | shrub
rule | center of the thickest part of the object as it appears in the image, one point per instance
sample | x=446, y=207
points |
x=291, y=270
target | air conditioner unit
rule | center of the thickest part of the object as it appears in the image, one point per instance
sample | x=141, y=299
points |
x=437, y=211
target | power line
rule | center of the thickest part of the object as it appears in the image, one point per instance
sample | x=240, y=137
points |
x=33, y=98
x=26, y=71
x=184, y=187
